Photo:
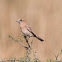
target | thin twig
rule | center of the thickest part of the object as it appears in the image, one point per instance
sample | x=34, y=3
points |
x=18, y=41
x=36, y=58
x=28, y=52
x=31, y=43
x=56, y=56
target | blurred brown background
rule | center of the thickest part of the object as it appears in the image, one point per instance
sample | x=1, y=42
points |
x=45, y=18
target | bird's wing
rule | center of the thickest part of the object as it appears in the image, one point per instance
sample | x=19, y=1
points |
x=28, y=28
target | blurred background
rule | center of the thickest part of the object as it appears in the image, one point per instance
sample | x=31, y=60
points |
x=45, y=19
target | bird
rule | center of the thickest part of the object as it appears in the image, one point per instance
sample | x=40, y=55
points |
x=26, y=30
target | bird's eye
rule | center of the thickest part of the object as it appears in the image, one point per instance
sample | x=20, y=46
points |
x=20, y=20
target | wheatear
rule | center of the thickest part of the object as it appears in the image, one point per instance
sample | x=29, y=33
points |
x=26, y=30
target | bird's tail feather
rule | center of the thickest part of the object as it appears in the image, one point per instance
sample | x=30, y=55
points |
x=39, y=38
x=36, y=36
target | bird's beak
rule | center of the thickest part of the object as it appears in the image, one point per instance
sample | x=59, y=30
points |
x=18, y=21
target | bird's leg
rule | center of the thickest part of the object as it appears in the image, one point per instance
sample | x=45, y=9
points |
x=26, y=40
x=25, y=37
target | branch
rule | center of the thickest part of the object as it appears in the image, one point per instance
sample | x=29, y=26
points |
x=28, y=52
x=36, y=58
x=18, y=41
x=31, y=43
x=56, y=56
x=27, y=41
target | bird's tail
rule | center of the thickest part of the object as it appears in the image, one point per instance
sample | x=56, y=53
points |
x=36, y=36
x=39, y=38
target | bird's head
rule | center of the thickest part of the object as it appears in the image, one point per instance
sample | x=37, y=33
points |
x=19, y=21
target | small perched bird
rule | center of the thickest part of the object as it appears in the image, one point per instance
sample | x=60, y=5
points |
x=26, y=30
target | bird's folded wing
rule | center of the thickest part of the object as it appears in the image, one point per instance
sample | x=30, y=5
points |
x=28, y=28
